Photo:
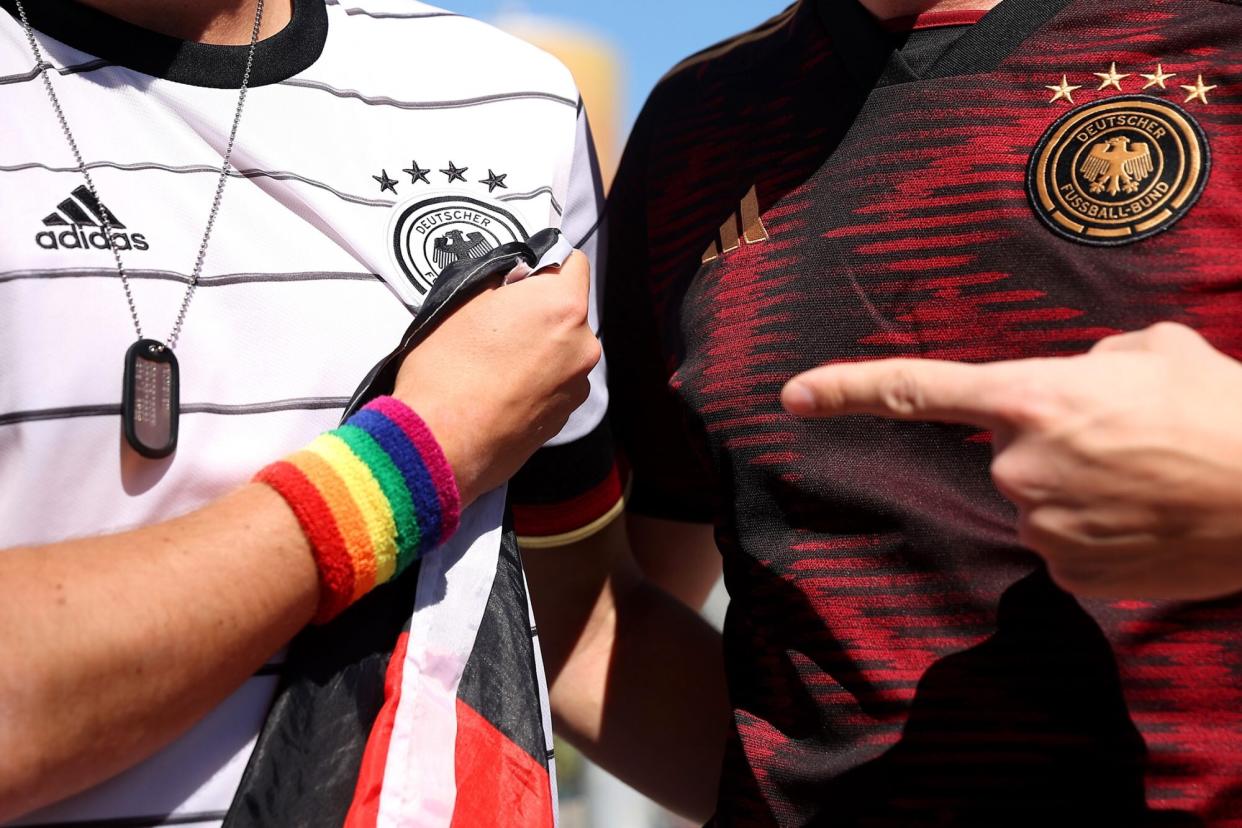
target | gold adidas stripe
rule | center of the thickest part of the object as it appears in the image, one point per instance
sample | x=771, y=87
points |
x=752, y=223
x=752, y=229
x=728, y=235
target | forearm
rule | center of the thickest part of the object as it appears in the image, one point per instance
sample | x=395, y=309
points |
x=655, y=713
x=679, y=558
x=113, y=646
x=637, y=678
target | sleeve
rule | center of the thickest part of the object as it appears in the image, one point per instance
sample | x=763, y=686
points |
x=663, y=442
x=572, y=487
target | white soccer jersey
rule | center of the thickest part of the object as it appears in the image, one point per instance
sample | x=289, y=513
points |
x=382, y=140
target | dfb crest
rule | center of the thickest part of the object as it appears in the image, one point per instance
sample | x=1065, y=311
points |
x=436, y=229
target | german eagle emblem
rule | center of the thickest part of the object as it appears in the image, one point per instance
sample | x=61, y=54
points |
x=454, y=246
x=1114, y=165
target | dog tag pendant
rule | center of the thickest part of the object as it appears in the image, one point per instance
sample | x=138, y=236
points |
x=150, y=400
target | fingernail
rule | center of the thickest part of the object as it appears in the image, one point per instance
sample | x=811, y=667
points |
x=798, y=399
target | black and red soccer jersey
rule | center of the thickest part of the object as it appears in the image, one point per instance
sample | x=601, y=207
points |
x=1060, y=171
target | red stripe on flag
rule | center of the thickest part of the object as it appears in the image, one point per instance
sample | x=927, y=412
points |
x=364, y=812
x=497, y=781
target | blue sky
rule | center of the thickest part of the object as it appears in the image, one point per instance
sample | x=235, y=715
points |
x=651, y=35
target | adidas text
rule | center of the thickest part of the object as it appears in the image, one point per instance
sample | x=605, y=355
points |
x=76, y=238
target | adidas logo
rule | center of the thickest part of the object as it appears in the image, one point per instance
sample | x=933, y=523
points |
x=752, y=229
x=77, y=215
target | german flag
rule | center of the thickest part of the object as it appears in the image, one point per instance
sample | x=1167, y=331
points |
x=435, y=717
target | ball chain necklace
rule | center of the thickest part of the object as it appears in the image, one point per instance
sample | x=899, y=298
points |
x=150, y=397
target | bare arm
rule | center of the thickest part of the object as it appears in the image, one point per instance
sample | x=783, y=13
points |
x=100, y=633
x=679, y=558
x=110, y=647
x=637, y=677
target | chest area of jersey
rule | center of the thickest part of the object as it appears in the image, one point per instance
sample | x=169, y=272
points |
x=950, y=224
x=318, y=182
x=1013, y=227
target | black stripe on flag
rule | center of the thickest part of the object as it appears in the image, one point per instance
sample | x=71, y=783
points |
x=500, y=681
x=306, y=763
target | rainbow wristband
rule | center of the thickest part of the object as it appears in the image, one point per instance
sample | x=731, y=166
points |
x=371, y=497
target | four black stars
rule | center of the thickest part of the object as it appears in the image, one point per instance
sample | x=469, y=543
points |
x=385, y=182
x=493, y=181
x=417, y=173
x=455, y=173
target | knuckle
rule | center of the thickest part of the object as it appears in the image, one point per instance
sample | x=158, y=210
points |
x=1072, y=565
x=901, y=392
x=1045, y=524
x=1014, y=476
x=1170, y=335
x=593, y=352
x=1045, y=530
x=1166, y=328
x=570, y=309
x=1117, y=342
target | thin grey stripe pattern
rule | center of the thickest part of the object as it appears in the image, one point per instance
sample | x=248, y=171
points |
x=398, y=16
x=114, y=410
x=89, y=66
x=464, y=103
x=392, y=15
x=533, y=194
x=201, y=818
x=222, y=280
x=594, y=228
x=276, y=175
x=371, y=100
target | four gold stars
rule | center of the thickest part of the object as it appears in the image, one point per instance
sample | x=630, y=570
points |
x=1158, y=78
x=1198, y=91
x=1064, y=91
x=1110, y=78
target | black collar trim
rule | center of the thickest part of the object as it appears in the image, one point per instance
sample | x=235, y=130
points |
x=279, y=57
x=996, y=36
x=872, y=60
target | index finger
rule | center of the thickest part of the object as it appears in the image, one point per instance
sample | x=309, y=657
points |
x=911, y=389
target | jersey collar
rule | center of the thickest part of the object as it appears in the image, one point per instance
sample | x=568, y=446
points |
x=277, y=58
x=872, y=60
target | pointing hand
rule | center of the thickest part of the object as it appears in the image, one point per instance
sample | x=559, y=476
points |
x=1125, y=463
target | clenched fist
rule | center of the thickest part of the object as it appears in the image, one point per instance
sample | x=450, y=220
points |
x=1125, y=463
x=502, y=374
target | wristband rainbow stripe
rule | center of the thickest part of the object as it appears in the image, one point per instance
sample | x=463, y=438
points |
x=371, y=496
